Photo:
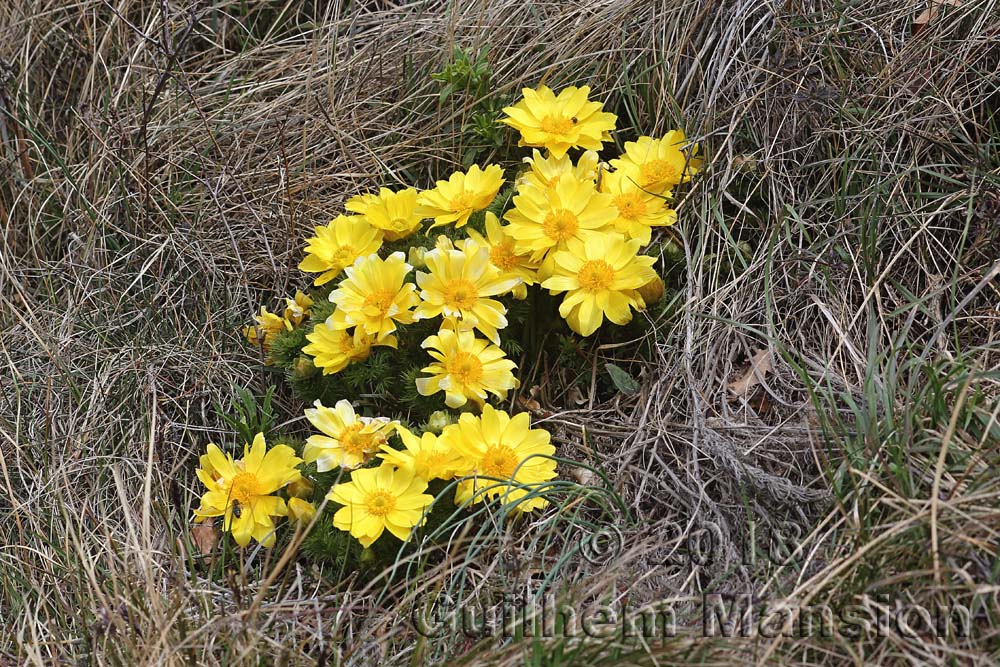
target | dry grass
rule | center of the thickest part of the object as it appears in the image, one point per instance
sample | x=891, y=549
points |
x=160, y=165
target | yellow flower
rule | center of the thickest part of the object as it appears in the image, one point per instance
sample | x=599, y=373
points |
x=427, y=456
x=600, y=277
x=454, y=200
x=660, y=163
x=458, y=286
x=546, y=171
x=241, y=491
x=638, y=210
x=544, y=219
x=504, y=255
x=337, y=245
x=300, y=510
x=374, y=297
x=349, y=441
x=560, y=122
x=380, y=498
x=268, y=326
x=507, y=458
x=333, y=349
x=395, y=213
x=466, y=368
x=297, y=309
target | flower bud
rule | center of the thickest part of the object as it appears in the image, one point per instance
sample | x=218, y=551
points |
x=415, y=257
x=367, y=556
x=652, y=291
x=438, y=420
x=300, y=510
x=300, y=488
x=304, y=367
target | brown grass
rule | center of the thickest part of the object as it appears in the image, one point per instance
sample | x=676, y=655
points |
x=161, y=164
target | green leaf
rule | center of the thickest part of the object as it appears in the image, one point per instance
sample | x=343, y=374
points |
x=624, y=382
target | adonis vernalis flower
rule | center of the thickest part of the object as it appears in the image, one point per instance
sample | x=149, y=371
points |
x=465, y=368
x=349, y=441
x=297, y=308
x=507, y=458
x=544, y=219
x=600, y=277
x=505, y=256
x=374, y=297
x=560, y=122
x=454, y=200
x=380, y=499
x=638, y=210
x=458, y=285
x=333, y=349
x=268, y=326
x=395, y=213
x=426, y=455
x=546, y=171
x=660, y=163
x=242, y=491
x=337, y=245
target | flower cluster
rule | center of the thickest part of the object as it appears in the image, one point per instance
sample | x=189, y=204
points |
x=494, y=456
x=448, y=263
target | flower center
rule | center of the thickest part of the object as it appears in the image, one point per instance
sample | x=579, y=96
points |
x=355, y=443
x=465, y=367
x=630, y=205
x=502, y=256
x=460, y=294
x=461, y=202
x=657, y=171
x=380, y=503
x=245, y=486
x=399, y=224
x=430, y=461
x=499, y=461
x=343, y=256
x=595, y=275
x=560, y=225
x=556, y=124
x=380, y=300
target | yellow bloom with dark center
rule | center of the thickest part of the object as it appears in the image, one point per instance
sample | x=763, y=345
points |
x=454, y=200
x=395, y=213
x=348, y=440
x=600, y=277
x=242, y=491
x=333, y=349
x=337, y=245
x=549, y=218
x=546, y=170
x=507, y=458
x=374, y=297
x=426, y=455
x=660, y=164
x=560, y=122
x=297, y=309
x=458, y=286
x=638, y=210
x=466, y=368
x=380, y=499
x=268, y=326
x=505, y=256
